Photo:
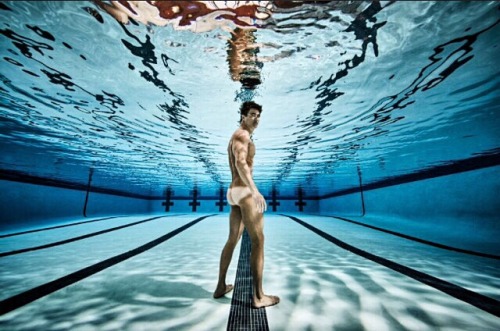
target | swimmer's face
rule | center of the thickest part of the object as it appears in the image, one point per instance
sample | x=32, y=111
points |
x=252, y=119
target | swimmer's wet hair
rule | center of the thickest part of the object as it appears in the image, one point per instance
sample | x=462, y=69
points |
x=247, y=105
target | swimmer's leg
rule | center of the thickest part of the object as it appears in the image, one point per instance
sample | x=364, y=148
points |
x=235, y=231
x=254, y=223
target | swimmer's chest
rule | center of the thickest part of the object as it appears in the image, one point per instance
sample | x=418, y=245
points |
x=251, y=150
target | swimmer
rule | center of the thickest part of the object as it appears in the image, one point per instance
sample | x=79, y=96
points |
x=247, y=207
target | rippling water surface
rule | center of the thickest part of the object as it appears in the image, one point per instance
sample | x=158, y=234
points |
x=389, y=87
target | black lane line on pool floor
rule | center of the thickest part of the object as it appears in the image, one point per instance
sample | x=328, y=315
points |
x=422, y=241
x=242, y=316
x=66, y=241
x=54, y=227
x=480, y=301
x=22, y=299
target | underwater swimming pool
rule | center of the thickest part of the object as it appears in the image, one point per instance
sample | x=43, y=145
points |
x=389, y=87
x=379, y=136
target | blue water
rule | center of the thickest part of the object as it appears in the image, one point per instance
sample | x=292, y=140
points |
x=392, y=88
x=379, y=136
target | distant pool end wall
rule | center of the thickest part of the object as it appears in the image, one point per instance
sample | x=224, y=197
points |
x=27, y=205
x=465, y=202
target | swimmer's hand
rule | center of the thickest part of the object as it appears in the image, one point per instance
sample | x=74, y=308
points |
x=260, y=202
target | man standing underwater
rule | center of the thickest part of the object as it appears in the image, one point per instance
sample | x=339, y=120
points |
x=247, y=207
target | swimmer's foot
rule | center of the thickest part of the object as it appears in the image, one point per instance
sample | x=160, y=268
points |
x=219, y=292
x=265, y=301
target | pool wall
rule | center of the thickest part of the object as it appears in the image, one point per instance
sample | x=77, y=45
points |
x=465, y=204
x=29, y=205
x=26, y=204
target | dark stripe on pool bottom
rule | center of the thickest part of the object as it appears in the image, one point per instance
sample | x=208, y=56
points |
x=422, y=241
x=66, y=241
x=38, y=292
x=54, y=227
x=480, y=301
x=242, y=316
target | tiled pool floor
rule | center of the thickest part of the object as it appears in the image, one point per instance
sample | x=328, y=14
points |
x=168, y=285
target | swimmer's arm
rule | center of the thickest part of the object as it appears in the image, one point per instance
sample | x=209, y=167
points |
x=229, y=154
x=240, y=151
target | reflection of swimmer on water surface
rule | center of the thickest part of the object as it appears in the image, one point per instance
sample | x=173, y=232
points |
x=242, y=56
x=244, y=66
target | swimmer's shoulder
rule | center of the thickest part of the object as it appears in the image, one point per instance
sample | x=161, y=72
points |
x=240, y=135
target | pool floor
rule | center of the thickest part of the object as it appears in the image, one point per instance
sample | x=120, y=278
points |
x=158, y=272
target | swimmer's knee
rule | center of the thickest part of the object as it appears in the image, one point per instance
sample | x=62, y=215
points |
x=233, y=238
x=257, y=239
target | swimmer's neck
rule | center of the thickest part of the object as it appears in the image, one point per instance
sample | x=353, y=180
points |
x=243, y=126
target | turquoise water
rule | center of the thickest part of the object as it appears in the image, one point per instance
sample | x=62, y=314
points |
x=381, y=119
x=384, y=113
x=389, y=89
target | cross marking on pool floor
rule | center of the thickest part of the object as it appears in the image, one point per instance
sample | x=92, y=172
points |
x=274, y=201
x=195, y=202
x=167, y=202
x=221, y=202
x=301, y=202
